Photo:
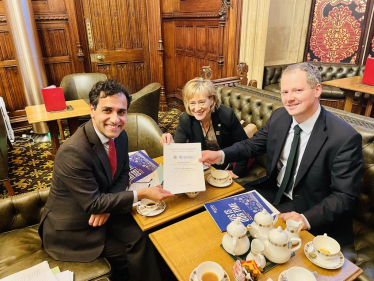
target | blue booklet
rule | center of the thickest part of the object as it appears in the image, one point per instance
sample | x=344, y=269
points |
x=141, y=165
x=245, y=206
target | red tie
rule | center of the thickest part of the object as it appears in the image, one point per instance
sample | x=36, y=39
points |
x=112, y=156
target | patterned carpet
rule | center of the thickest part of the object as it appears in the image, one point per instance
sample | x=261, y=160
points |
x=29, y=168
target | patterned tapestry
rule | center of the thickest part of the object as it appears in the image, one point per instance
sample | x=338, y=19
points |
x=371, y=50
x=336, y=30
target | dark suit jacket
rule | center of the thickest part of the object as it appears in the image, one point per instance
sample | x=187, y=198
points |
x=327, y=184
x=82, y=185
x=227, y=128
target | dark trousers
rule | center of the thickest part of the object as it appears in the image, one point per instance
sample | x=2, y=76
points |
x=268, y=189
x=129, y=250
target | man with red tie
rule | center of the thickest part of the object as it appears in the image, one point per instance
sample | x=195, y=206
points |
x=87, y=214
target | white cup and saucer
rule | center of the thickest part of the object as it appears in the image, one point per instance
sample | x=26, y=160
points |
x=209, y=270
x=150, y=208
x=296, y=273
x=192, y=194
x=324, y=252
x=219, y=178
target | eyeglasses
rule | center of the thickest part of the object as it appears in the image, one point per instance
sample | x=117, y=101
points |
x=198, y=104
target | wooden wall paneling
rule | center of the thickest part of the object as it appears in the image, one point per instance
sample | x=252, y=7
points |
x=15, y=99
x=11, y=90
x=77, y=31
x=57, y=50
x=196, y=6
x=232, y=38
x=125, y=72
x=168, y=31
x=120, y=40
x=156, y=48
x=105, y=68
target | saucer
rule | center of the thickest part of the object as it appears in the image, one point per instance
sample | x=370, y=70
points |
x=334, y=263
x=193, y=276
x=224, y=184
x=152, y=213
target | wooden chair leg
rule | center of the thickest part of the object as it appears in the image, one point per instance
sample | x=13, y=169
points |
x=60, y=129
x=8, y=187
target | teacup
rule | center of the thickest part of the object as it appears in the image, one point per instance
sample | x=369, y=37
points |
x=298, y=273
x=209, y=270
x=326, y=247
x=192, y=194
x=257, y=253
x=219, y=176
x=148, y=205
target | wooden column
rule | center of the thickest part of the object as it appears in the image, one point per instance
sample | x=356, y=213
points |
x=20, y=18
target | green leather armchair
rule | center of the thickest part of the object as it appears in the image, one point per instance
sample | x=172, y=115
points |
x=143, y=134
x=4, y=157
x=146, y=101
x=20, y=243
x=78, y=85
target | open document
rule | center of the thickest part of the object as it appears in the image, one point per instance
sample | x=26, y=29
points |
x=182, y=170
x=40, y=272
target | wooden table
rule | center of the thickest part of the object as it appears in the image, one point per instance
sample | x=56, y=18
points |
x=188, y=243
x=37, y=113
x=180, y=204
x=351, y=85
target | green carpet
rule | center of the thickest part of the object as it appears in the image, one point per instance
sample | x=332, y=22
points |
x=29, y=168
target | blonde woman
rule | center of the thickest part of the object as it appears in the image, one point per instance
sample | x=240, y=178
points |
x=206, y=121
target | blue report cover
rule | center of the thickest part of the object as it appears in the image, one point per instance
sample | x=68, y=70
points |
x=245, y=206
x=141, y=165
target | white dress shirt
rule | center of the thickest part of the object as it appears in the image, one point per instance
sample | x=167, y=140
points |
x=104, y=140
x=306, y=127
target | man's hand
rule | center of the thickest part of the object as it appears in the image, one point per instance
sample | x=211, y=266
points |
x=210, y=157
x=231, y=174
x=155, y=193
x=294, y=216
x=98, y=220
x=166, y=138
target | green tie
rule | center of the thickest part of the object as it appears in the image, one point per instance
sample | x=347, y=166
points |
x=290, y=168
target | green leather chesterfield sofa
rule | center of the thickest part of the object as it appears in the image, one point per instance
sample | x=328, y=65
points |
x=20, y=244
x=255, y=106
x=331, y=96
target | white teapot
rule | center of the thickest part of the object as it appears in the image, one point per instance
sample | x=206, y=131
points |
x=262, y=223
x=235, y=241
x=278, y=246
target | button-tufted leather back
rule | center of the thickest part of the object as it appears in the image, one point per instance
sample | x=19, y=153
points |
x=22, y=210
x=247, y=107
x=365, y=209
x=329, y=71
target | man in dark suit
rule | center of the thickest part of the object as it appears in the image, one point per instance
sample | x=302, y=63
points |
x=323, y=185
x=87, y=214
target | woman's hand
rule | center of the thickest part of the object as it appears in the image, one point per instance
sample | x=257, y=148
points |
x=231, y=174
x=166, y=138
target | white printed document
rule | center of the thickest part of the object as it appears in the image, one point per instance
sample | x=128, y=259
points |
x=182, y=170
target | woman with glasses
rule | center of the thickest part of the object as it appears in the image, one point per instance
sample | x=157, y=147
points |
x=206, y=121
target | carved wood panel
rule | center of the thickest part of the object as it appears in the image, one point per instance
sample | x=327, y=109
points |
x=196, y=34
x=58, y=42
x=119, y=40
